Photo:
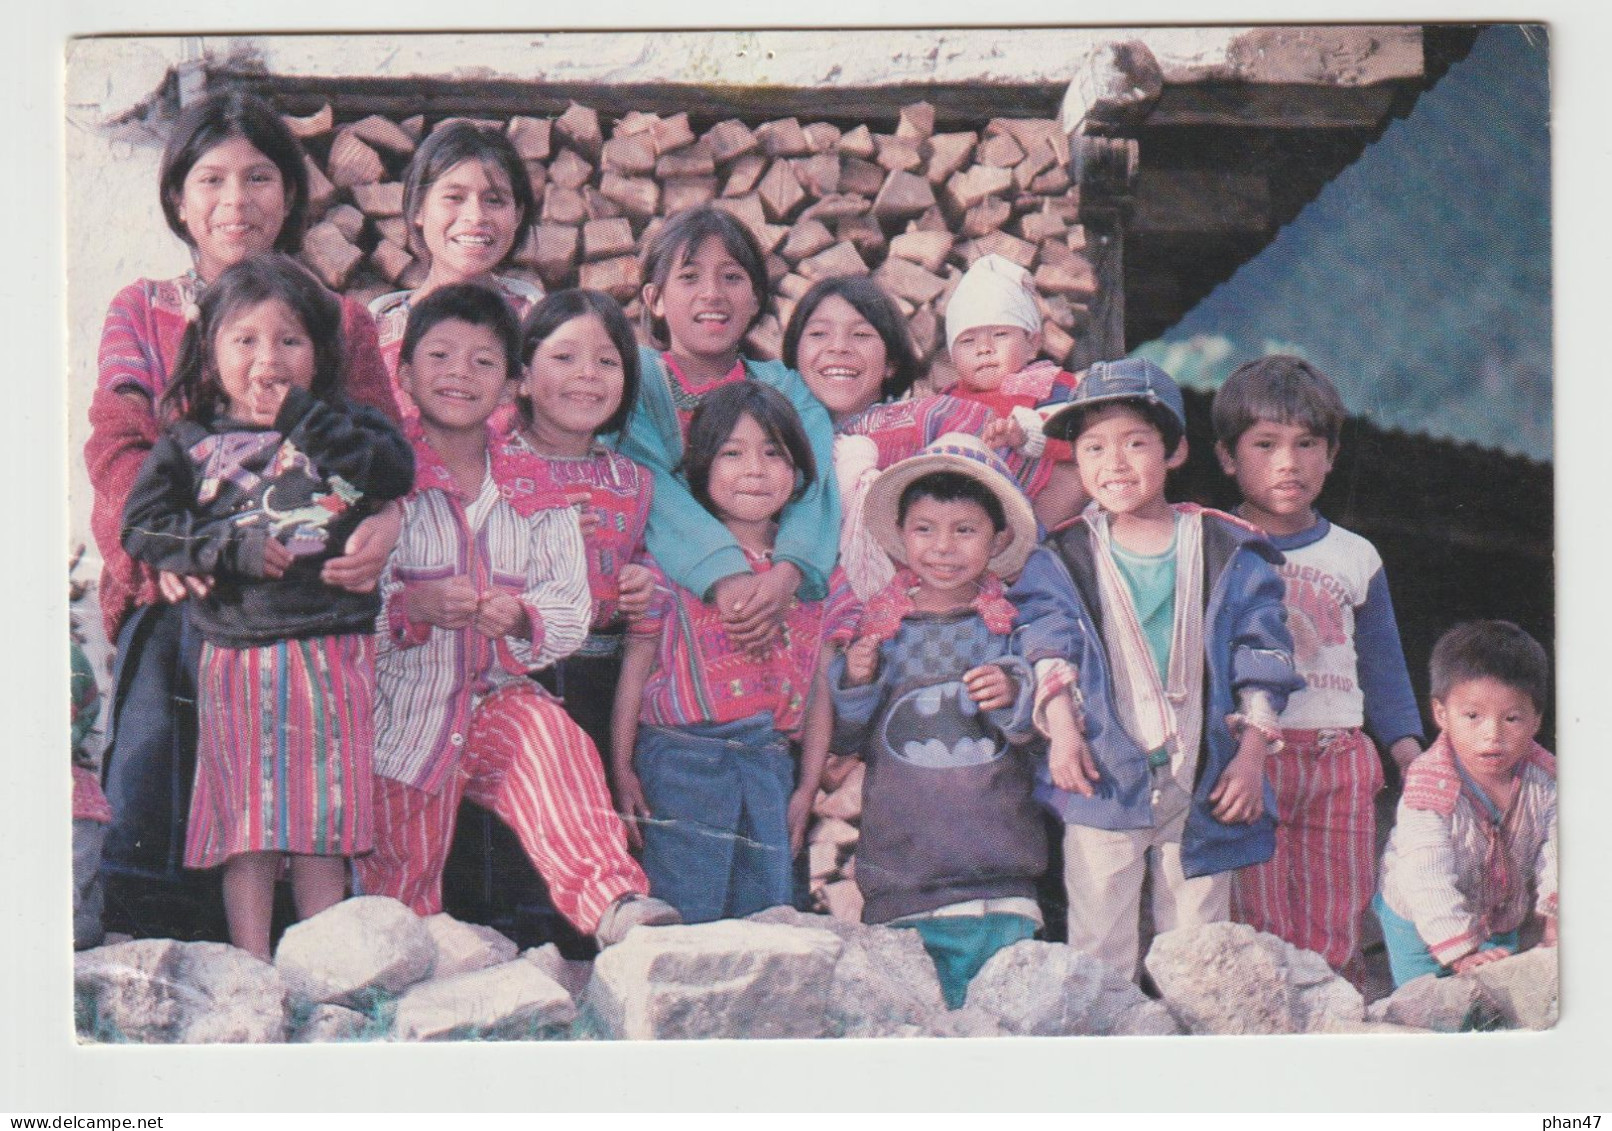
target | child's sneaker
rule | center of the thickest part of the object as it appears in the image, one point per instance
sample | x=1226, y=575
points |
x=633, y=910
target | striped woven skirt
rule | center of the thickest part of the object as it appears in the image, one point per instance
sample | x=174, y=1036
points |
x=284, y=758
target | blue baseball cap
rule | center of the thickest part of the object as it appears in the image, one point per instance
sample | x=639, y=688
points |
x=1128, y=379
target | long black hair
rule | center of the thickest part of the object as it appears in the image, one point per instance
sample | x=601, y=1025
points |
x=717, y=416
x=564, y=306
x=869, y=300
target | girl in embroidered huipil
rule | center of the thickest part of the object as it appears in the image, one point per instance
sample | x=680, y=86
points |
x=468, y=204
x=702, y=724
x=233, y=183
x=705, y=287
x=486, y=586
x=1473, y=851
x=851, y=347
x=264, y=473
x=581, y=378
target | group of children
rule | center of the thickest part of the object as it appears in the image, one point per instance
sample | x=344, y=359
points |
x=607, y=547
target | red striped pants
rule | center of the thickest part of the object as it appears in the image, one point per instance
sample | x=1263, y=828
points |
x=1314, y=889
x=528, y=762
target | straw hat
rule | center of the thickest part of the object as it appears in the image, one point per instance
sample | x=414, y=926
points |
x=966, y=455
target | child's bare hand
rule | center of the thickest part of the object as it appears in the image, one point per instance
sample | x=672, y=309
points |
x=176, y=587
x=1470, y=962
x=862, y=661
x=358, y=570
x=276, y=559
x=500, y=614
x=1071, y=764
x=1004, y=432
x=800, y=815
x=1239, y=796
x=634, y=587
x=753, y=606
x=631, y=804
x=1404, y=752
x=450, y=603
x=990, y=687
x=587, y=515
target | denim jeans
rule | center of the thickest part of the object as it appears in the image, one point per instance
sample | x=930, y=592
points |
x=716, y=845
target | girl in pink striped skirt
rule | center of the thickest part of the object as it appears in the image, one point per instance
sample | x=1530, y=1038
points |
x=262, y=473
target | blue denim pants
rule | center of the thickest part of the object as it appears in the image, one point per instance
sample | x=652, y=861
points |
x=716, y=845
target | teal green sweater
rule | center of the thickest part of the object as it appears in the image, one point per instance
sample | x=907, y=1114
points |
x=689, y=542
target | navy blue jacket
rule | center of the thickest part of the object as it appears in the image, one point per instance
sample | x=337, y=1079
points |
x=1246, y=645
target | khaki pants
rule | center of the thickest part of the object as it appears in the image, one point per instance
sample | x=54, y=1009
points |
x=1103, y=871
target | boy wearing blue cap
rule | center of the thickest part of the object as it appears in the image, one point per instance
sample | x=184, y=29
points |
x=1166, y=624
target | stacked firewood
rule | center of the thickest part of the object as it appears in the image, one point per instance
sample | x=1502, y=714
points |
x=913, y=207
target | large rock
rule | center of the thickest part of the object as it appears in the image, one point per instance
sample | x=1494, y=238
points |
x=166, y=992
x=1230, y=978
x=884, y=979
x=572, y=975
x=331, y=1023
x=356, y=951
x=1444, y=1005
x=731, y=978
x=511, y=1000
x=1049, y=989
x=1524, y=986
x=463, y=947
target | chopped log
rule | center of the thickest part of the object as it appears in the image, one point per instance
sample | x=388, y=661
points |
x=390, y=260
x=352, y=162
x=672, y=133
x=328, y=253
x=793, y=287
x=999, y=151
x=859, y=176
x=765, y=341
x=599, y=206
x=933, y=220
x=1060, y=311
x=320, y=191
x=1075, y=238
x=414, y=276
x=783, y=138
x=604, y=239
x=1042, y=225
x=843, y=900
x=780, y=192
x=568, y=170
x=730, y=139
x=823, y=137
x=348, y=220
x=636, y=196
x=1051, y=182
x=818, y=174
x=906, y=308
x=1062, y=272
x=805, y=239
x=986, y=216
x=917, y=121
x=384, y=199
x=903, y=195
x=749, y=211
x=393, y=228
x=947, y=154
x=999, y=243
x=632, y=155
x=841, y=259
x=530, y=137
x=1037, y=160
x=679, y=194
x=905, y=279
x=968, y=188
x=552, y=250
x=618, y=277
x=924, y=328
x=927, y=249
x=579, y=126
x=744, y=174
x=316, y=124
x=865, y=235
x=837, y=206
x=537, y=176
x=690, y=161
x=563, y=205
x=777, y=266
x=414, y=126
x=1056, y=342
x=635, y=122
x=384, y=134
x=897, y=154
x=858, y=142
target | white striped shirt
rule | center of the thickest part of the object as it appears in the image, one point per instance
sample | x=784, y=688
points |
x=428, y=679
